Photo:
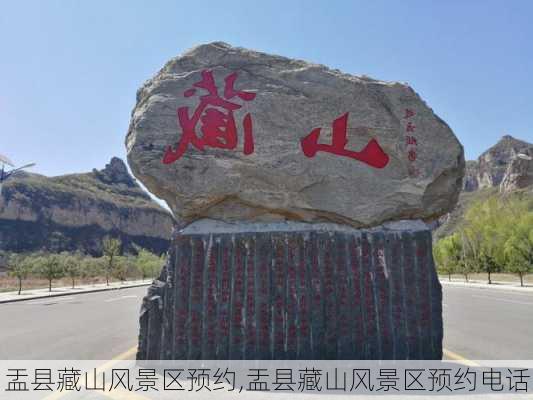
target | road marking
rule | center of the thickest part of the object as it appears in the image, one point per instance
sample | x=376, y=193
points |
x=49, y=300
x=457, y=357
x=104, y=367
x=121, y=298
x=525, y=303
x=495, y=288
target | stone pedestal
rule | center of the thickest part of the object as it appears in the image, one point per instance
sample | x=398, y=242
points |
x=295, y=291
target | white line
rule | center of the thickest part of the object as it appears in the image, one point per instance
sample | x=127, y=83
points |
x=504, y=289
x=121, y=298
x=51, y=299
x=504, y=300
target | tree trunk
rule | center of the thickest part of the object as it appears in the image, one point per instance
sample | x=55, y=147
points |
x=450, y=277
x=521, y=279
x=72, y=283
x=490, y=282
x=107, y=279
x=20, y=285
x=49, y=285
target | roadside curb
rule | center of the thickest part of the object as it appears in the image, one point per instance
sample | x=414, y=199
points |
x=512, y=288
x=95, y=290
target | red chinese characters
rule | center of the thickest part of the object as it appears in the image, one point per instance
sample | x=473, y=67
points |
x=408, y=113
x=411, y=142
x=214, y=117
x=410, y=127
x=212, y=124
x=372, y=154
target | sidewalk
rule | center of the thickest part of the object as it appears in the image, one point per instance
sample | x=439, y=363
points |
x=496, y=285
x=31, y=294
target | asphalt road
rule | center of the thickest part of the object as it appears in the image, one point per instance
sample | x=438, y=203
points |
x=92, y=326
x=488, y=324
x=479, y=324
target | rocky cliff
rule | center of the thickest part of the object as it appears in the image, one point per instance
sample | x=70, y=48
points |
x=519, y=173
x=491, y=167
x=75, y=211
x=504, y=168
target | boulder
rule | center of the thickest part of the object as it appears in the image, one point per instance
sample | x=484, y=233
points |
x=237, y=135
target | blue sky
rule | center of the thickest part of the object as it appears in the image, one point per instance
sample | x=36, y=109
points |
x=69, y=70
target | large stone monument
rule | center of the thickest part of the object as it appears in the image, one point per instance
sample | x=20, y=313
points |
x=300, y=195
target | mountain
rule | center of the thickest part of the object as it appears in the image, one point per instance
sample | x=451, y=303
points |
x=75, y=211
x=491, y=166
x=505, y=168
x=519, y=173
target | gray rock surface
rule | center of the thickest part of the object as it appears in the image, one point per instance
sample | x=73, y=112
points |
x=490, y=168
x=299, y=291
x=75, y=211
x=277, y=103
x=471, y=179
x=519, y=174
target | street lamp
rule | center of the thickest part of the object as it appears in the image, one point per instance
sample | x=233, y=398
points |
x=5, y=174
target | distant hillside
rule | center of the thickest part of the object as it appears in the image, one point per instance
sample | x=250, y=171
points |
x=490, y=168
x=73, y=212
x=506, y=167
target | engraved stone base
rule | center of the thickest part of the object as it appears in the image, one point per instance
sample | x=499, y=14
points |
x=295, y=291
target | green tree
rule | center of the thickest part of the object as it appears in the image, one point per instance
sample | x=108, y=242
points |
x=486, y=226
x=465, y=263
x=111, y=249
x=148, y=263
x=121, y=268
x=20, y=267
x=49, y=267
x=448, y=255
x=519, y=248
x=494, y=236
x=130, y=262
x=71, y=266
x=92, y=267
x=473, y=237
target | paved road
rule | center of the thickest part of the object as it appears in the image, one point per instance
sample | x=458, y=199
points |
x=479, y=324
x=488, y=324
x=92, y=326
